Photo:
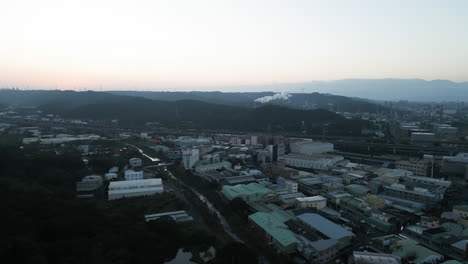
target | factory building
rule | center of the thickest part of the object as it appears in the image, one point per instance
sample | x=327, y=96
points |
x=309, y=147
x=136, y=188
x=316, y=161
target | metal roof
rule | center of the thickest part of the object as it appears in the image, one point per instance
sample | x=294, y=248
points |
x=324, y=225
x=273, y=224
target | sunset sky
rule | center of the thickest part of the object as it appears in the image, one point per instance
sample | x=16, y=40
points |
x=162, y=45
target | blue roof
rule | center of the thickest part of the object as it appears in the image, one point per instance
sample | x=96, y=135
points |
x=324, y=226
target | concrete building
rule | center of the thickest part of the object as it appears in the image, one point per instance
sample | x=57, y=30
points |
x=407, y=192
x=318, y=202
x=316, y=161
x=286, y=186
x=135, y=162
x=213, y=166
x=136, y=188
x=131, y=175
x=418, y=167
x=190, y=157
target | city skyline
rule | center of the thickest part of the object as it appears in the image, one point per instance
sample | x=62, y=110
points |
x=153, y=45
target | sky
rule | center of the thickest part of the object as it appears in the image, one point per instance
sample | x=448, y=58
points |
x=165, y=45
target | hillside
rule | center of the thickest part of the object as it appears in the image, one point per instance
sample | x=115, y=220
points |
x=294, y=100
x=136, y=111
x=200, y=115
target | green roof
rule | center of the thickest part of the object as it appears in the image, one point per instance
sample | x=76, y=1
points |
x=273, y=224
x=241, y=190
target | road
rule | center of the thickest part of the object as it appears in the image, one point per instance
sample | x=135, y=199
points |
x=144, y=154
x=211, y=207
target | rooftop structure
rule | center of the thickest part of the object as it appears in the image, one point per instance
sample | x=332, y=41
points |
x=309, y=147
x=315, y=161
x=273, y=224
x=359, y=257
x=325, y=226
x=135, y=188
x=251, y=192
x=178, y=216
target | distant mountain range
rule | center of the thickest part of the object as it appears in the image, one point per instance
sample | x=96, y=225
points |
x=131, y=110
x=376, y=89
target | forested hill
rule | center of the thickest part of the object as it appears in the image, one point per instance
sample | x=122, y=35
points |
x=294, y=100
x=200, y=115
x=185, y=113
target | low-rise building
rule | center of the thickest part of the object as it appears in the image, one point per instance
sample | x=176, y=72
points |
x=417, y=167
x=252, y=192
x=316, y=161
x=135, y=188
x=213, y=166
x=135, y=162
x=318, y=202
x=361, y=257
x=131, y=175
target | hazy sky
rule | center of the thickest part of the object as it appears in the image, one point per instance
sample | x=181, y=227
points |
x=164, y=44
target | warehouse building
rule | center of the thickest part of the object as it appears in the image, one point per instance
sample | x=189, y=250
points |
x=136, y=188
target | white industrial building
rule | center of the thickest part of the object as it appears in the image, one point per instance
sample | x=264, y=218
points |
x=309, y=147
x=135, y=162
x=318, y=202
x=317, y=161
x=131, y=175
x=136, y=188
x=190, y=157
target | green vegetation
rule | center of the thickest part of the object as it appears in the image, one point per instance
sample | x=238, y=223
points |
x=186, y=114
x=43, y=222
